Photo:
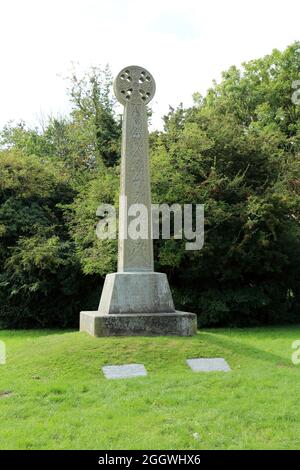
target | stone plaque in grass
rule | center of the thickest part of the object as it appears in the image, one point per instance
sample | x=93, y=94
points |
x=208, y=364
x=125, y=371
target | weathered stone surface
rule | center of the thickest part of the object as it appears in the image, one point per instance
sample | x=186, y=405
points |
x=136, y=293
x=136, y=300
x=134, y=87
x=141, y=324
x=208, y=364
x=125, y=371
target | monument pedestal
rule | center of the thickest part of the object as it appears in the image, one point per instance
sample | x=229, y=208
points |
x=137, y=303
x=139, y=324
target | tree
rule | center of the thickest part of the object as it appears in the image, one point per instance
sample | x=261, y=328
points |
x=243, y=163
x=87, y=139
x=93, y=119
x=40, y=279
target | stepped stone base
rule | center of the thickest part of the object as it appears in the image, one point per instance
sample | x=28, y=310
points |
x=138, y=324
x=137, y=303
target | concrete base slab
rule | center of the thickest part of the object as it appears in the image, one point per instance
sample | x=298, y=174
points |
x=208, y=364
x=139, y=324
x=126, y=371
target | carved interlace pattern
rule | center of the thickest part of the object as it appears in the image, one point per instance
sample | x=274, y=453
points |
x=134, y=87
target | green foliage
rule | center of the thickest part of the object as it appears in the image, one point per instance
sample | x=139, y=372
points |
x=40, y=279
x=86, y=140
x=245, y=169
x=94, y=129
x=95, y=255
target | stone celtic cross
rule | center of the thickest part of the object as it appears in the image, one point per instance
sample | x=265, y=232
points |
x=136, y=300
x=134, y=87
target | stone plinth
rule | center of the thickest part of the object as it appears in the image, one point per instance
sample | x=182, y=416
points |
x=137, y=304
x=139, y=324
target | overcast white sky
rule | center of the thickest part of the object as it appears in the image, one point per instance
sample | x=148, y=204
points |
x=185, y=44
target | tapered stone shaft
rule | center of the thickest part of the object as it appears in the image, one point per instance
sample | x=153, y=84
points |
x=134, y=87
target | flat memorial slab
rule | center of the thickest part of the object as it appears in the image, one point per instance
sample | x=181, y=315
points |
x=208, y=364
x=125, y=371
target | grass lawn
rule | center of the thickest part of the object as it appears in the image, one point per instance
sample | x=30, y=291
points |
x=53, y=394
